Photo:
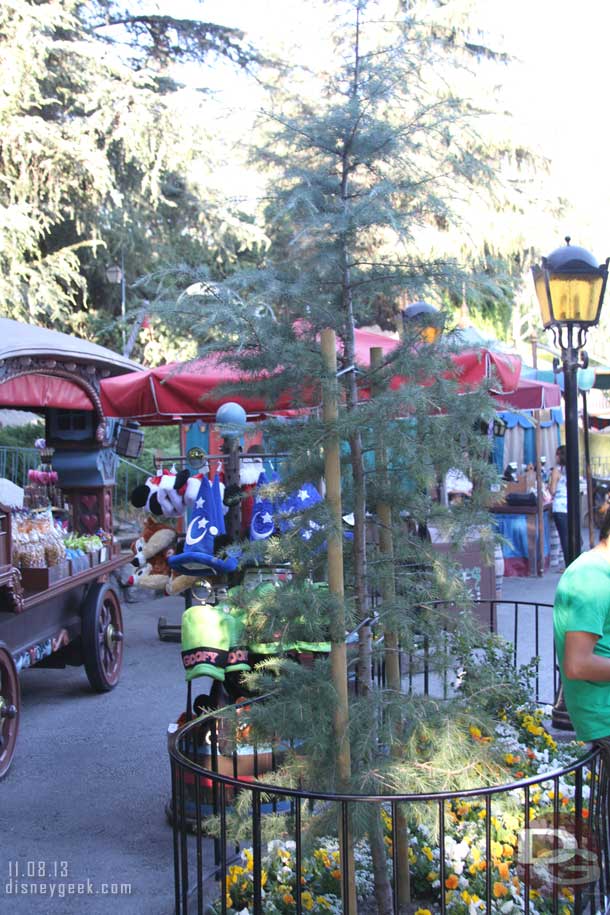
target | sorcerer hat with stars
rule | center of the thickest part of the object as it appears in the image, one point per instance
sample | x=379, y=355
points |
x=205, y=525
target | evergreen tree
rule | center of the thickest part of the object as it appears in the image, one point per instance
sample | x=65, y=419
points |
x=104, y=158
x=385, y=151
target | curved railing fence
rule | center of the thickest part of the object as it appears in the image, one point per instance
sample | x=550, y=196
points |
x=538, y=845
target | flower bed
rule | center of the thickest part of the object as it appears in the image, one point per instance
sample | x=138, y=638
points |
x=476, y=856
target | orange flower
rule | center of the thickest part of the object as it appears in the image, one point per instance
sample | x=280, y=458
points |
x=288, y=898
x=503, y=870
x=585, y=813
x=499, y=890
x=452, y=881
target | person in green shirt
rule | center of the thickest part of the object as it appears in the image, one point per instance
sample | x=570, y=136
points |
x=581, y=623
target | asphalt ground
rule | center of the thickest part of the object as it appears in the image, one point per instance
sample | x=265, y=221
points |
x=82, y=810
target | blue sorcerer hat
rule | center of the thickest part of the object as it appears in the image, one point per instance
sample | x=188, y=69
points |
x=262, y=524
x=305, y=497
x=205, y=525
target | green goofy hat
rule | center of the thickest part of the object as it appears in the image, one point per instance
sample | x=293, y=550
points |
x=207, y=634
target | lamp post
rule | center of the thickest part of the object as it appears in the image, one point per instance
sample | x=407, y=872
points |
x=115, y=274
x=426, y=318
x=570, y=287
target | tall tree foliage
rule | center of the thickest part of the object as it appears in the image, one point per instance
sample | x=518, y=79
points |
x=103, y=157
x=359, y=173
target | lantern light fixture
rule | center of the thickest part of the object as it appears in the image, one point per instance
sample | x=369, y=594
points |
x=428, y=319
x=570, y=287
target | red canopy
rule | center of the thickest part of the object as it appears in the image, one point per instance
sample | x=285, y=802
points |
x=171, y=393
x=38, y=391
x=531, y=395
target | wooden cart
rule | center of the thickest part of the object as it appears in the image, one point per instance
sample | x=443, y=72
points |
x=69, y=615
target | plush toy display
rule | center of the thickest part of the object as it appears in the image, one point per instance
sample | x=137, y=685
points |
x=149, y=567
x=163, y=495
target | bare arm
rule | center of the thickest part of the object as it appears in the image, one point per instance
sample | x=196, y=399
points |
x=579, y=662
x=555, y=474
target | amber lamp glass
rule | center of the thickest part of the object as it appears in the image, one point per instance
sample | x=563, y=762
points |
x=570, y=287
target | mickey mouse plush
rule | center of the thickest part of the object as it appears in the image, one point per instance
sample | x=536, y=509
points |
x=163, y=495
x=149, y=567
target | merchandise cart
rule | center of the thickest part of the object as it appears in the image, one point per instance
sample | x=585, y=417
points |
x=68, y=613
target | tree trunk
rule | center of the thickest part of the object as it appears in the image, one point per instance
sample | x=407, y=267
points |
x=392, y=649
x=338, y=653
x=383, y=890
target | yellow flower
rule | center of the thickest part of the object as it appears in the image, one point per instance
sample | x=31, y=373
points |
x=423, y=912
x=428, y=853
x=496, y=849
x=465, y=896
x=323, y=901
x=474, y=731
x=432, y=876
x=499, y=890
x=567, y=893
x=307, y=900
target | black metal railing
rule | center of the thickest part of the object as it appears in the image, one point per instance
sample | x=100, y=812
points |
x=541, y=843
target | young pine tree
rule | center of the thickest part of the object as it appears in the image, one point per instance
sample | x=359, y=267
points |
x=358, y=174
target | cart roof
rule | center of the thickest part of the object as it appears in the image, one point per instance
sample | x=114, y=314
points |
x=18, y=339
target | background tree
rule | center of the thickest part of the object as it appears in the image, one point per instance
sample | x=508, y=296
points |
x=104, y=157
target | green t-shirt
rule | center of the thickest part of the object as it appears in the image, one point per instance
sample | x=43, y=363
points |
x=582, y=604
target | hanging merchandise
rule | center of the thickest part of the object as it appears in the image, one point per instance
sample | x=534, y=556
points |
x=162, y=495
x=206, y=524
x=262, y=523
x=206, y=639
x=302, y=499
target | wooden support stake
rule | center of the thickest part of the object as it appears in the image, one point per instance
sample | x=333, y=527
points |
x=338, y=649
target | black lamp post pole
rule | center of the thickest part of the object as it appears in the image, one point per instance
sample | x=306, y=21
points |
x=569, y=355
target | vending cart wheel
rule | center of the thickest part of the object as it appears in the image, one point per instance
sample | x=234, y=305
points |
x=102, y=637
x=10, y=705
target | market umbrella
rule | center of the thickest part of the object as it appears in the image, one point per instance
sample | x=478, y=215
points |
x=530, y=395
x=182, y=393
